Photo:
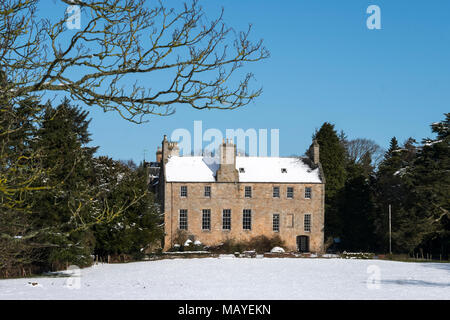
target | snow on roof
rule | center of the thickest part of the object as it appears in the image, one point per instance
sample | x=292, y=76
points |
x=256, y=169
x=191, y=169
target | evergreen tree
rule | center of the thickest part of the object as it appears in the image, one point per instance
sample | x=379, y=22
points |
x=393, y=146
x=63, y=137
x=19, y=163
x=19, y=168
x=390, y=187
x=356, y=209
x=430, y=185
x=416, y=182
x=355, y=204
x=333, y=159
x=139, y=225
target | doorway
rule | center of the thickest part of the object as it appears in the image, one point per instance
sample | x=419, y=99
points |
x=303, y=243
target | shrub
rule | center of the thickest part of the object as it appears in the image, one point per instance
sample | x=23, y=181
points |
x=194, y=246
x=264, y=244
x=260, y=244
x=181, y=237
x=180, y=243
x=357, y=255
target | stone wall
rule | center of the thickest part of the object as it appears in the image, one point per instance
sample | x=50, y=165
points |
x=229, y=195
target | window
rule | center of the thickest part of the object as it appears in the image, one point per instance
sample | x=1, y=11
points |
x=247, y=219
x=276, y=192
x=283, y=170
x=248, y=192
x=183, y=191
x=290, y=220
x=241, y=170
x=307, y=223
x=308, y=193
x=183, y=219
x=276, y=222
x=290, y=192
x=208, y=191
x=226, y=219
x=206, y=219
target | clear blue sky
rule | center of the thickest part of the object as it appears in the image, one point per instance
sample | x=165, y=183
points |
x=325, y=65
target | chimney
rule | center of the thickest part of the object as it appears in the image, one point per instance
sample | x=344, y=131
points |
x=174, y=150
x=159, y=155
x=315, y=149
x=169, y=149
x=227, y=170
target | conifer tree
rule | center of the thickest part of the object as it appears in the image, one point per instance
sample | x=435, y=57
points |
x=63, y=136
x=390, y=187
x=332, y=158
x=356, y=209
x=139, y=225
x=416, y=182
x=19, y=169
x=430, y=189
x=355, y=203
x=19, y=162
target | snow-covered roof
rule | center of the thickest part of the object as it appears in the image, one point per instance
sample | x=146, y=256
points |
x=255, y=169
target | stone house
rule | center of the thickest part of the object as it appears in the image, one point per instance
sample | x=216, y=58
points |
x=237, y=197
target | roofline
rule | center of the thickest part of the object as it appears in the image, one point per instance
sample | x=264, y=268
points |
x=243, y=182
x=259, y=157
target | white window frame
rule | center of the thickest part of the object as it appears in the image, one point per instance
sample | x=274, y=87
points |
x=183, y=220
x=292, y=193
x=277, y=195
x=308, y=193
x=307, y=223
x=228, y=219
x=248, y=191
x=183, y=191
x=276, y=222
x=207, y=191
x=247, y=219
x=206, y=220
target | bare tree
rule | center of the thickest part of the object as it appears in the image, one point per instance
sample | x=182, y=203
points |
x=360, y=150
x=120, y=39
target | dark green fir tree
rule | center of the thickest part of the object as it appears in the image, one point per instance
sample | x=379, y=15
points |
x=65, y=208
x=333, y=160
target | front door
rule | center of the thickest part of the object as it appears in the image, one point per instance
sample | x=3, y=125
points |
x=303, y=243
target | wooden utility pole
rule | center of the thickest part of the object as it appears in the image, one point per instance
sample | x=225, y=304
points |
x=390, y=230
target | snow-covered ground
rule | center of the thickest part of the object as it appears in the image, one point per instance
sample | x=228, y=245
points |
x=241, y=278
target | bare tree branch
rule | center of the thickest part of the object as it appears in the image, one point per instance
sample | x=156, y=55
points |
x=362, y=149
x=187, y=59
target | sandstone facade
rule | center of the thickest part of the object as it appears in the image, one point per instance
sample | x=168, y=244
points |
x=301, y=213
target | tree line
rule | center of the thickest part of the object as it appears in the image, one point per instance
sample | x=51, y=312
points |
x=60, y=205
x=362, y=182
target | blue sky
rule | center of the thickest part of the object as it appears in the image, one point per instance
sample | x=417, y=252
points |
x=325, y=65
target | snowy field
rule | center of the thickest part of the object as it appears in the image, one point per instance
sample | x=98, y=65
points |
x=241, y=278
